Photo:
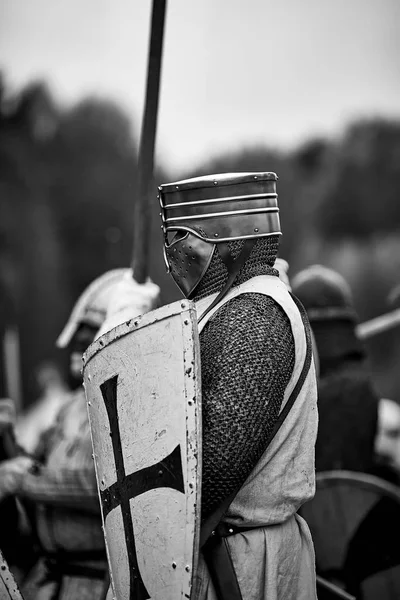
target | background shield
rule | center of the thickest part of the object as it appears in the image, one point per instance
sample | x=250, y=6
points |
x=8, y=586
x=354, y=520
x=142, y=382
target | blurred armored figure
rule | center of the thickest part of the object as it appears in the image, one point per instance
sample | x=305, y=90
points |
x=41, y=415
x=347, y=401
x=20, y=556
x=387, y=442
x=221, y=242
x=61, y=489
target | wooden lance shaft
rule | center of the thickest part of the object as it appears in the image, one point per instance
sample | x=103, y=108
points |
x=379, y=324
x=141, y=238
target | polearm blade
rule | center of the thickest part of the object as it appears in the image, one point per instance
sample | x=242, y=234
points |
x=139, y=261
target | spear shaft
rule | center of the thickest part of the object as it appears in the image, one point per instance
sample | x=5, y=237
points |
x=141, y=240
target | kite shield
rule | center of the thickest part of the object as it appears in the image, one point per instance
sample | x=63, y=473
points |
x=142, y=383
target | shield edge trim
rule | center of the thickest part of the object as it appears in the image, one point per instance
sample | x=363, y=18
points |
x=190, y=376
x=169, y=310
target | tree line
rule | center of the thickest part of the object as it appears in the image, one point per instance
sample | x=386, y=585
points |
x=68, y=187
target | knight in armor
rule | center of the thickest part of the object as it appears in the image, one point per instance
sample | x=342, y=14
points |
x=60, y=489
x=259, y=413
x=347, y=401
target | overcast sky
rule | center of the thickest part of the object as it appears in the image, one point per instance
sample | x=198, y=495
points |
x=236, y=72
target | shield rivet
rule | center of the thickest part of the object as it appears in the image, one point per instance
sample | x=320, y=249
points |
x=216, y=234
x=186, y=322
x=174, y=565
x=191, y=485
x=183, y=305
x=89, y=404
x=256, y=230
x=187, y=568
x=230, y=530
x=190, y=402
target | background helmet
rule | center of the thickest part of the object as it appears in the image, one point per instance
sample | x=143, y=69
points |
x=200, y=213
x=325, y=294
x=327, y=298
x=91, y=306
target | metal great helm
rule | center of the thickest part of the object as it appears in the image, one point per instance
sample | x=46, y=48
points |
x=200, y=213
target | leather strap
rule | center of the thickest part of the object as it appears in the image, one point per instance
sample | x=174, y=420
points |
x=219, y=562
x=227, y=529
x=222, y=572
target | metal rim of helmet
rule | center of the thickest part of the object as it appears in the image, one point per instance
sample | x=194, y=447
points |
x=173, y=224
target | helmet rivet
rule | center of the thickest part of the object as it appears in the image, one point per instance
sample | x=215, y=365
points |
x=215, y=182
x=256, y=230
x=177, y=187
x=255, y=177
x=216, y=234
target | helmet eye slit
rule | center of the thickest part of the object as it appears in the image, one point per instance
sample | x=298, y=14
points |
x=175, y=236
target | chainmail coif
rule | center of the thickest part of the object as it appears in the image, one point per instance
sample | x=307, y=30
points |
x=247, y=358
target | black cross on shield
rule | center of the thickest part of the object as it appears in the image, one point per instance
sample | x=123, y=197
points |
x=166, y=473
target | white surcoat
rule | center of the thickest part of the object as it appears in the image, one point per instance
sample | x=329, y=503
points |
x=276, y=560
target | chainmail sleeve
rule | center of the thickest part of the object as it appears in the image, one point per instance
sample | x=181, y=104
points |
x=247, y=358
